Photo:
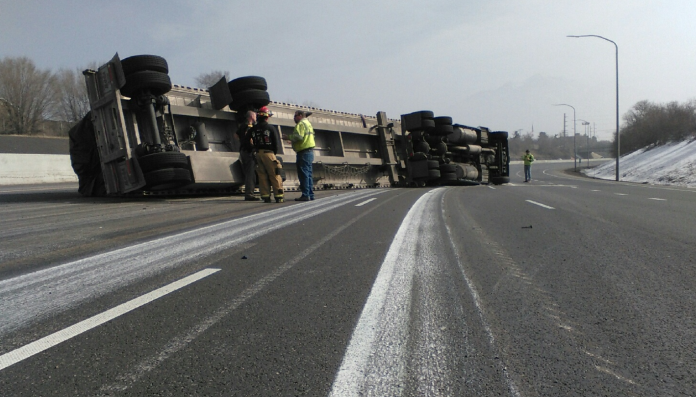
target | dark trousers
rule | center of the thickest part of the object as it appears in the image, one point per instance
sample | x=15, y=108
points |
x=249, y=169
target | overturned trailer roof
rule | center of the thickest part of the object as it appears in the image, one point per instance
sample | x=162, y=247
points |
x=153, y=136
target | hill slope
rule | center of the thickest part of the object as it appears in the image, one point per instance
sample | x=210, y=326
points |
x=670, y=164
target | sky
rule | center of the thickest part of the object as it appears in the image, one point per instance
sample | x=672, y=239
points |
x=502, y=64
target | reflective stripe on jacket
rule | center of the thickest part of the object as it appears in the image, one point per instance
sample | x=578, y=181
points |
x=302, y=136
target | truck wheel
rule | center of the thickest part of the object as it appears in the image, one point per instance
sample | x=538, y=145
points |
x=421, y=147
x=443, y=120
x=434, y=174
x=157, y=82
x=167, y=178
x=156, y=161
x=139, y=63
x=448, y=168
x=448, y=176
x=255, y=98
x=443, y=129
x=497, y=135
x=427, y=124
x=426, y=114
x=247, y=83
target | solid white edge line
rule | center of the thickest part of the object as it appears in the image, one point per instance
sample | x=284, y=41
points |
x=49, y=341
x=365, y=202
x=540, y=204
x=658, y=199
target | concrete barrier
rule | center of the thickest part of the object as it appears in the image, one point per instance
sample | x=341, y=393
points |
x=20, y=169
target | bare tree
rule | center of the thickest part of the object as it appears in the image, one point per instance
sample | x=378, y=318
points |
x=26, y=94
x=207, y=80
x=648, y=123
x=72, y=102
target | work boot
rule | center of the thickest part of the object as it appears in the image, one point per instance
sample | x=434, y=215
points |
x=266, y=199
x=302, y=198
x=251, y=198
x=279, y=199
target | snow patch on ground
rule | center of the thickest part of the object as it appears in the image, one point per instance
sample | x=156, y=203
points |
x=670, y=164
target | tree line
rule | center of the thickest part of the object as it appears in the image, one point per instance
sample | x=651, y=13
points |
x=31, y=98
x=648, y=123
x=558, y=146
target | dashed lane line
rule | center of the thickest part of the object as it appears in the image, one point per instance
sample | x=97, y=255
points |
x=180, y=341
x=61, y=336
x=365, y=202
x=540, y=204
x=35, y=296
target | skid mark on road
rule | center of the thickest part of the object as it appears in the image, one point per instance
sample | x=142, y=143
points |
x=37, y=295
x=181, y=341
x=400, y=345
x=550, y=307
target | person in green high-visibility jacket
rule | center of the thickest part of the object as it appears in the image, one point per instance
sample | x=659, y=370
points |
x=302, y=139
x=528, y=159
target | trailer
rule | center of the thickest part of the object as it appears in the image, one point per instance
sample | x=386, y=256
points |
x=146, y=136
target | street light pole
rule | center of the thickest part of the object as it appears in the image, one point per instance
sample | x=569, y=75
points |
x=618, y=137
x=587, y=134
x=575, y=150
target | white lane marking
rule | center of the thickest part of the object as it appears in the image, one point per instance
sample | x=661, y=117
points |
x=540, y=204
x=379, y=359
x=35, y=296
x=621, y=194
x=595, y=190
x=353, y=374
x=658, y=199
x=365, y=202
x=125, y=381
x=61, y=336
x=491, y=187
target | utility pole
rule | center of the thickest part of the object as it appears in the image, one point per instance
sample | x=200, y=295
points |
x=564, y=132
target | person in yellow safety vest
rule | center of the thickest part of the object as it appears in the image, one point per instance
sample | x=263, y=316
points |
x=302, y=139
x=265, y=139
x=528, y=159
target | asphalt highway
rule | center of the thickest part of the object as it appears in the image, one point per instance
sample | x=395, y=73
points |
x=564, y=286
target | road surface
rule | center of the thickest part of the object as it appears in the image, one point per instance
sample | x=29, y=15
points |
x=565, y=286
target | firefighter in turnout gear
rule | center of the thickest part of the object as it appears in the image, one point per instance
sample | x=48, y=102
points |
x=265, y=139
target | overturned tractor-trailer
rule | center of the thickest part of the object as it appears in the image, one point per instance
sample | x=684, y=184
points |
x=144, y=135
